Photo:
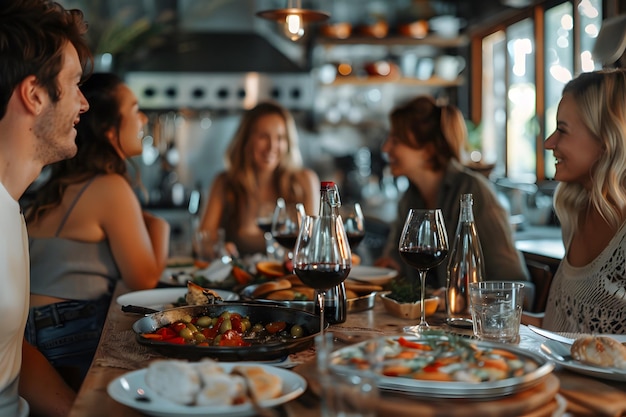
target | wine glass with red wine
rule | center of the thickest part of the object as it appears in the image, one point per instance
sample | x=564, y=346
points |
x=322, y=257
x=353, y=223
x=423, y=245
x=286, y=224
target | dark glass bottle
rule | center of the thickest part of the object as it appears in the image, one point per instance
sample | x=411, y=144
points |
x=465, y=265
x=335, y=301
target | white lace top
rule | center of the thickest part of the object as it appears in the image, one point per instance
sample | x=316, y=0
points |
x=591, y=298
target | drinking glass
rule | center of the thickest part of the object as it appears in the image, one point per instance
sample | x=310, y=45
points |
x=423, y=245
x=353, y=223
x=322, y=257
x=286, y=224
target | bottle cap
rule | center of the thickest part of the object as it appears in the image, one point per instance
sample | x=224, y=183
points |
x=328, y=184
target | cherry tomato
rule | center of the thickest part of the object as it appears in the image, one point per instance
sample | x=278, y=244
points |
x=275, y=327
x=177, y=327
x=167, y=333
x=177, y=340
x=232, y=338
x=235, y=323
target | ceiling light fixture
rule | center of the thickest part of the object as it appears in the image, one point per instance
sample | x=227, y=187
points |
x=294, y=18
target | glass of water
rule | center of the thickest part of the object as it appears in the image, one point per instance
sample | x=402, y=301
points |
x=496, y=309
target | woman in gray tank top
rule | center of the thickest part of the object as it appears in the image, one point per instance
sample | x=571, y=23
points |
x=87, y=231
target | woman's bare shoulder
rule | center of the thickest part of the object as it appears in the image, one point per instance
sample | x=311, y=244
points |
x=307, y=175
x=111, y=187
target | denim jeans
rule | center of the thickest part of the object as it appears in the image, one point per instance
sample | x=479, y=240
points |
x=67, y=334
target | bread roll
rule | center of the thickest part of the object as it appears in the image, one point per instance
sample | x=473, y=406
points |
x=281, y=295
x=270, y=286
x=303, y=292
x=294, y=279
x=264, y=385
x=599, y=351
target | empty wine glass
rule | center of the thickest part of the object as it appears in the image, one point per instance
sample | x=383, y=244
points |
x=322, y=256
x=423, y=245
x=353, y=223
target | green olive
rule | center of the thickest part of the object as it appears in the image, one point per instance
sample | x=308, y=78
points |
x=225, y=315
x=217, y=339
x=296, y=330
x=258, y=328
x=186, y=318
x=186, y=334
x=204, y=321
x=199, y=337
x=226, y=326
x=245, y=324
x=192, y=327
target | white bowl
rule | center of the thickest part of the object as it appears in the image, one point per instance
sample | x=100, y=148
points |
x=409, y=311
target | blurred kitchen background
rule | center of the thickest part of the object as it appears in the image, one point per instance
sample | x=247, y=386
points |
x=195, y=65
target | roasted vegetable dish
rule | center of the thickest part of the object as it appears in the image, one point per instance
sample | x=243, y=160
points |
x=227, y=329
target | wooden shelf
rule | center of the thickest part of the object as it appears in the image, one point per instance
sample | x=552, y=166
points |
x=433, y=81
x=432, y=40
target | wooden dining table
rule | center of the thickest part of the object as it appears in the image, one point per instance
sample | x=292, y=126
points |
x=119, y=353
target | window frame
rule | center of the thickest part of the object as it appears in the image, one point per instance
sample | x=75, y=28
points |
x=537, y=14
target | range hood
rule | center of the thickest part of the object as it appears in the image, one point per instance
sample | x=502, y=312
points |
x=221, y=71
x=225, y=52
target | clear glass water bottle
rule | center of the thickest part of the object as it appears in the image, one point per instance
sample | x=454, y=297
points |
x=465, y=265
x=335, y=301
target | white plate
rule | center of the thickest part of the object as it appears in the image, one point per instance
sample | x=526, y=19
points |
x=560, y=354
x=372, y=274
x=159, y=298
x=124, y=390
x=342, y=361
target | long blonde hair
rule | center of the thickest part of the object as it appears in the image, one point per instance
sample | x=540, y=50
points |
x=240, y=171
x=600, y=97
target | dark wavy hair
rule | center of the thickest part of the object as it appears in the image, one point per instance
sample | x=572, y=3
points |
x=96, y=155
x=430, y=125
x=32, y=36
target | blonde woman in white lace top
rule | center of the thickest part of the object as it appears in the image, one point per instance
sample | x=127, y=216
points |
x=588, y=293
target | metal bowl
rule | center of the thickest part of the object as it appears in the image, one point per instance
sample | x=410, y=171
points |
x=257, y=313
x=360, y=303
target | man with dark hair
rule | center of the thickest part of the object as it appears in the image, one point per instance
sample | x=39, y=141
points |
x=42, y=58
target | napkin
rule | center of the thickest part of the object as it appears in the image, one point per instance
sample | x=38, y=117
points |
x=592, y=397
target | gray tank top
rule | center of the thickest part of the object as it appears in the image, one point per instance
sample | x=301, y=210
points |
x=72, y=269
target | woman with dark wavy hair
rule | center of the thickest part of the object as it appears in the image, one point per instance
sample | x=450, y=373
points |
x=87, y=231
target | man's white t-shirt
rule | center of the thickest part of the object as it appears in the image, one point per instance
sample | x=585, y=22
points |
x=14, y=287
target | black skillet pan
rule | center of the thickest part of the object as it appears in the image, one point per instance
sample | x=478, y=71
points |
x=257, y=313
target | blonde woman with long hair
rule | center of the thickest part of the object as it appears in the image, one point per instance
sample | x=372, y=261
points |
x=263, y=163
x=588, y=293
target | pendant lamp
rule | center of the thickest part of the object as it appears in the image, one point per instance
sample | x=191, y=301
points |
x=294, y=18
